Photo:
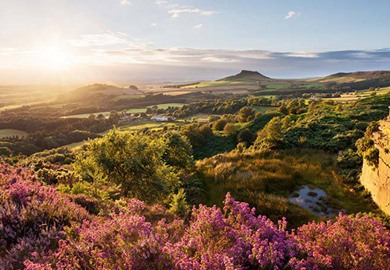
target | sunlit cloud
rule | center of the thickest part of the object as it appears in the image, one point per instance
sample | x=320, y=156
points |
x=198, y=26
x=303, y=54
x=125, y=2
x=141, y=60
x=103, y=39
x=212, y=59
x=7, y=51
x=161, y=3
x=175, y=13
x=166, y=4
x=291, y=14
x=106, y=40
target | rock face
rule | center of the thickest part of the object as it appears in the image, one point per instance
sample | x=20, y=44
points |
x=377, y=180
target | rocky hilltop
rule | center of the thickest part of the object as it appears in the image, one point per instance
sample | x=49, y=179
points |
x=377, y=179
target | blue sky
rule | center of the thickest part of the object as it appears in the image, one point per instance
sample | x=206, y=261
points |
x=124, y=40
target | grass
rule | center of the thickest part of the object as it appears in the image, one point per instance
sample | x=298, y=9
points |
x=166, y=105
x=313, y=85
x=86, y=115
x=201, y=117
x=9, y=107
x=353, y=96
x=127, y=97
x=145, y=124
x=266, y=180
x=12, y=132
x=276, y=86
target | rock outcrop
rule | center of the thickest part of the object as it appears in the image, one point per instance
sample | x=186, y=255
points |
x=377, y=179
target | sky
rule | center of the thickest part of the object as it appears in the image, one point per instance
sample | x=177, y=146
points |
x=121, y=41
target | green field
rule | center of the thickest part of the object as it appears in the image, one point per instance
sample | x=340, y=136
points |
x=276, y=86
x=106, y=114
x=353, y=96
x=313, y=85
x=200, y=117
x=12, y=132
x=135, y=110
x=86, y=115
x=166, y=105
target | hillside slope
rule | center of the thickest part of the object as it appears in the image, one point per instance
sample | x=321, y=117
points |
x=98, y=91
x=247, y=75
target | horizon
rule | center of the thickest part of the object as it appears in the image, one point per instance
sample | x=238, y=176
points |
x=121, y=41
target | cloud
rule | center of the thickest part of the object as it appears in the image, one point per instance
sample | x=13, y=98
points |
x=303, y=54
x=103, y=39
x=198, y=26
x=291, y=14
x=161, y=3
x=179, y=64
x=125, y=2
x=7, y=51
x=175, y=13
x=166, y=4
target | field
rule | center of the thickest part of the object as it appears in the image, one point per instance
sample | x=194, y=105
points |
x=86, y=115
x=13, y=96
x=200, y=117
x=214, y=84
x=166, y=105
x=12, y=132
x=360, y=95
x=276, y=86
x=127, y=97
x=135, y=110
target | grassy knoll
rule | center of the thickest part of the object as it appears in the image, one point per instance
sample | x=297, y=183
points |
x=266, y=180
x=12, y=132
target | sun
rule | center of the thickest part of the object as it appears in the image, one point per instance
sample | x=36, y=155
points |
x=55, y=58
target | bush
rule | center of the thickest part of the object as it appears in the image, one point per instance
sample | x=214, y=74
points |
x=219, y=125
x=32, y=216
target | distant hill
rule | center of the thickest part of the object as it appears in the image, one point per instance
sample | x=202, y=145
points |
x=247, y=75
x=358, y=76
x=98, y=91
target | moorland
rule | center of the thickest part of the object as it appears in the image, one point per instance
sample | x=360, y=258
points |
x=196, y=175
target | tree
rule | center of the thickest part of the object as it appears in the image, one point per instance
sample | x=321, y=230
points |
x=113, y=117
x=134, y=161
x=178, y=151
x=219, y=124
x=246, y=136
x=229, y=129
x=246, y=114
x=178, y=205
x=273, y=129
x=100, y=117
